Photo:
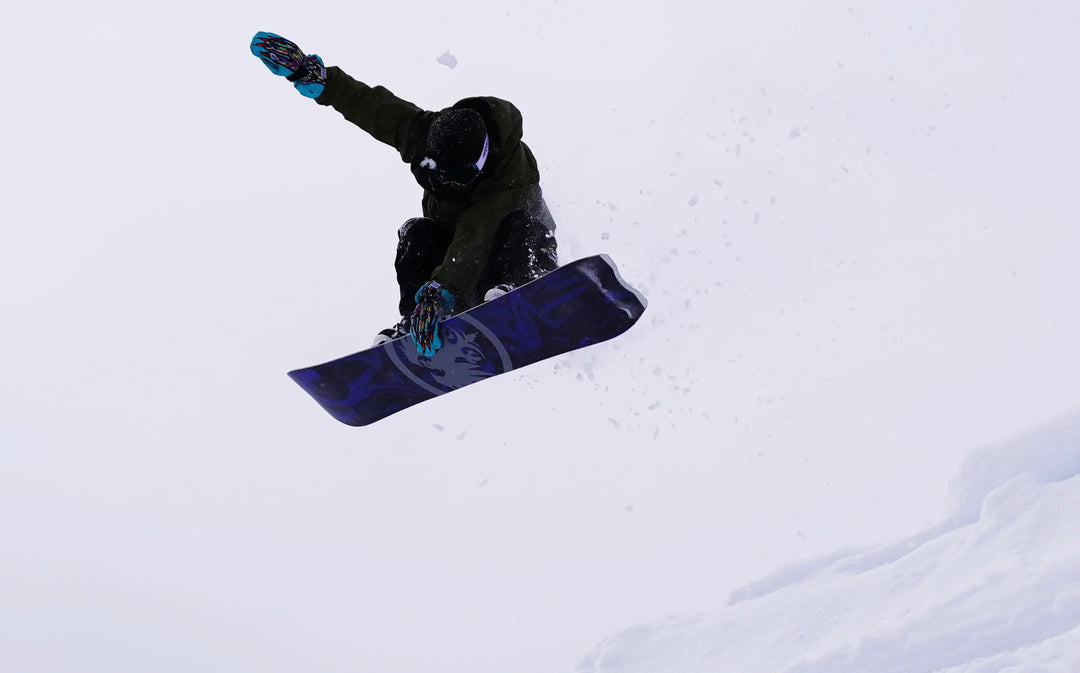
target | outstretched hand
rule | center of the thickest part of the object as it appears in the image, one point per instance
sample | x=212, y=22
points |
x=283, y=57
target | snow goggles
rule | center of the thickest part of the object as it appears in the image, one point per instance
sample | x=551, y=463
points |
x=451, y=173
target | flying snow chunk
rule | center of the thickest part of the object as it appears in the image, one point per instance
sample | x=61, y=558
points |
x=448, y=60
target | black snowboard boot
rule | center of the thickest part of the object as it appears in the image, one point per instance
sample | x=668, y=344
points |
x=390, y=333
x=498, y=291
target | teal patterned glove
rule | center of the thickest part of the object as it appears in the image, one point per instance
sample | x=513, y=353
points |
x=284, y=58
x=433, y=304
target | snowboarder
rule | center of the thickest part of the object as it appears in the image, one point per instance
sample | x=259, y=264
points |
x=485, y=227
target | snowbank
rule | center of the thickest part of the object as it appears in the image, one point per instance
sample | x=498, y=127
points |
x=994, y=587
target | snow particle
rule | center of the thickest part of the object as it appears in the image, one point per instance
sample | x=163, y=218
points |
x=448, y=60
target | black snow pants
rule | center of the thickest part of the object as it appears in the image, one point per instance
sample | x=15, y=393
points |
x=524, y=249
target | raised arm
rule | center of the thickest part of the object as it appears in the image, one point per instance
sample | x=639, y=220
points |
x=389, y=119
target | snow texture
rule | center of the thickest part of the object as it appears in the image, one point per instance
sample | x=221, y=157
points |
x=994, y=588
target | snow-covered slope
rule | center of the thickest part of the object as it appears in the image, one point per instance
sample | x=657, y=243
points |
x=996, y=587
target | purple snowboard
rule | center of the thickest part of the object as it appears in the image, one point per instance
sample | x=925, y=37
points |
x=577, y=305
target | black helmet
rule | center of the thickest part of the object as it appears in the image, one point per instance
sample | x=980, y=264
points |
x=457, y=148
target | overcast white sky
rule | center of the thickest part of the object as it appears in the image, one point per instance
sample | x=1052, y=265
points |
x=854, y=224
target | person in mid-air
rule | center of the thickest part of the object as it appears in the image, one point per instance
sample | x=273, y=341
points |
x=485, y=227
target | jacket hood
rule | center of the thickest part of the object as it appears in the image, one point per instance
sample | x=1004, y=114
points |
x=504, y=130
x=504, y=125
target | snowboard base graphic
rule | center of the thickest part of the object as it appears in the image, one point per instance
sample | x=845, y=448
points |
x=577, y=305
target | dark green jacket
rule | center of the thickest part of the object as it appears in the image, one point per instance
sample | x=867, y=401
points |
x=509, y=182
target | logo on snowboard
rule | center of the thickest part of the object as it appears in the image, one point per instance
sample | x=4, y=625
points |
x=470, y=352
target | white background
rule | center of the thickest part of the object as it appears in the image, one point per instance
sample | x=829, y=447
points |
x=854, y=223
